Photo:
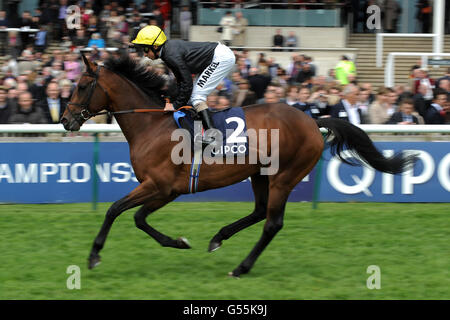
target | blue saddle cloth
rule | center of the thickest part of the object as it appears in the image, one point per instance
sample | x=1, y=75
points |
x=230, y=122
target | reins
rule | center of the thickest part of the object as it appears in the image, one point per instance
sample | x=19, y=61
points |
x=111, y=113
x=85, y=114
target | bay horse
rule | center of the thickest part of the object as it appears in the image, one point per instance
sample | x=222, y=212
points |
x=122, y=86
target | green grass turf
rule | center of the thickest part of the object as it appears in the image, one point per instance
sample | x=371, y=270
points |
x=322, y=254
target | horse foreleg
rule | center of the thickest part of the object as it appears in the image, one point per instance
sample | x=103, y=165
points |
x=162, y=239
x=260, y=186
x=137, y=197
x=278, y=196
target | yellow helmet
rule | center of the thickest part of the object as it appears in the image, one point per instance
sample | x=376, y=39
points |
x=150, y=36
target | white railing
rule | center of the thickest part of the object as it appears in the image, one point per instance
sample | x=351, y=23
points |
x=114, y=128
x=389, y=71
x=380, y=37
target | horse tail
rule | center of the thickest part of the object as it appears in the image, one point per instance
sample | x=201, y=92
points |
x=350, y=137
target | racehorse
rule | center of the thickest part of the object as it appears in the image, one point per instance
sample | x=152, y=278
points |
x=122, y=87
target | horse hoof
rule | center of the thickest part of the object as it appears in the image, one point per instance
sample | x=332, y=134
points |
x=232, y=275
x=183, y=243
x=213, y=246
x=93, y=262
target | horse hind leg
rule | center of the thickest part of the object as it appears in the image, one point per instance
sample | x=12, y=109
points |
x=278, y=195
x=260, y=186
x=165, y=241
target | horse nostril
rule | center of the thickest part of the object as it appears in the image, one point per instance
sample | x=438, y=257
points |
x=63, y=121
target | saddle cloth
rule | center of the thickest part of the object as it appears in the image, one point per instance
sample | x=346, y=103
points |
x=230, y=122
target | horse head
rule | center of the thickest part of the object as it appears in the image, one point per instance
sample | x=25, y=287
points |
x=88, y=98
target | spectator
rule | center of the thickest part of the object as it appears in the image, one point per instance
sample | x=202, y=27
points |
x=258, y=82
x=14, y=44
x=228, y=23
x=112, y=23
x=61, y=26
x=447, y=111
x=5, y=106
x=185, y=22
x=243, y=96
x=278, y=40
x=223, y=90
x=242, y=68
x=303, y=96
x=26, y=63
x=96, y=41
x=3, y=35
x=392, y=11
x=304, y=74
x=343, y=69
x=27, y=111
x=52, y=105
x=303, y=104
x=93, y=27
x=80, y=40
x=135, y=25
x=382, y=109
x=424, y=79
x=436, y=114
x=240, y=30
x=423, y=15
x=40, y=44
x=405, y=115
x=122, y=26
x=402, y=93
x=446, y=77
x=444, y=84
x=271, y=97
x=56, y=70
x=371, y=96
x=291, y=40
x=348, y=108
x=292, y=95
x=212, y=100
x=158, y=17
x=223, y=103
x=420, y=103
x=319, y=99
x=26, y=22
x=72, y=67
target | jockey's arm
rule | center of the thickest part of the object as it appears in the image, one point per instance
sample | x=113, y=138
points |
x=184, y=80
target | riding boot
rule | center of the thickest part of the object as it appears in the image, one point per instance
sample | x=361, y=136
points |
x=207, y=125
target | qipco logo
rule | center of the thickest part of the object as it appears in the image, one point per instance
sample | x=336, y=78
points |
x=73, y=18
x=411, y=178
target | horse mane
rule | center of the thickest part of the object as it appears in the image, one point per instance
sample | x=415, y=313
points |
x=146, y=80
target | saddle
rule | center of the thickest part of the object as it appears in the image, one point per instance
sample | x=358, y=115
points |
x=229, y=121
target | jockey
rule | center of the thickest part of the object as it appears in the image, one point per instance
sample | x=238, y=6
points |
x=211, y=61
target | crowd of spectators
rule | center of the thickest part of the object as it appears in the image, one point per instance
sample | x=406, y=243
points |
x=35, y=84
x=420, y=100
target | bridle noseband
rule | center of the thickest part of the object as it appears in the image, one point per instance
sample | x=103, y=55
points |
x=85, y=114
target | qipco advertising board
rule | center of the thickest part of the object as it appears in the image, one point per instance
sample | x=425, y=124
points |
x=63, y=172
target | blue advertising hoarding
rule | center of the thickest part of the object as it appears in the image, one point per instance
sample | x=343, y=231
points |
x=62, y=172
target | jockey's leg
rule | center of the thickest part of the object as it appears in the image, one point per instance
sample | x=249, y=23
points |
x=221, y=65
x=207, y=121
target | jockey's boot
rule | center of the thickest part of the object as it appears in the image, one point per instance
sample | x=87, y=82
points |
x=207, y=125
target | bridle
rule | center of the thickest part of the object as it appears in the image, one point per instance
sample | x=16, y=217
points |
x=85, y=114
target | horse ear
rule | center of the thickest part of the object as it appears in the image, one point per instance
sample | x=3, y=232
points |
x=86, y=62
